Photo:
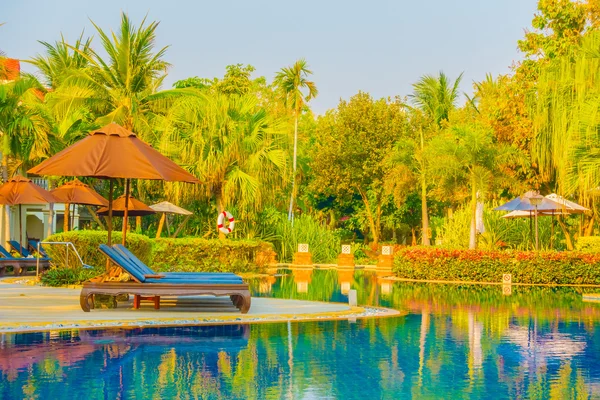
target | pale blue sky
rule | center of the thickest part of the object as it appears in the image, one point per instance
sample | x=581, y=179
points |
x=377, y=46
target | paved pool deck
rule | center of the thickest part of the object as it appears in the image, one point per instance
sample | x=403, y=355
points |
x=26, y=307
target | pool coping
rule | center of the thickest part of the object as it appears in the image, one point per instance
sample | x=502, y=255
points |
x=353, y=314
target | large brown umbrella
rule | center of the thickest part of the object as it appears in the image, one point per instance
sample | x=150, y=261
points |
x=135, y=208
x=113, y=152
x=77, y=192
x=19, y=191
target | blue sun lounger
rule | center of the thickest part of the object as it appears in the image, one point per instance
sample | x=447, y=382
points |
x=19, y=264
x=23, y=251
x=128, y=255
x=153, y=286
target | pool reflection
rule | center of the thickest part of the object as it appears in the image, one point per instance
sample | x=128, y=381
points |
x=456, y=341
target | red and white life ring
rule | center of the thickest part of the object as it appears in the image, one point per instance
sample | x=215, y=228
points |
x=220, y=222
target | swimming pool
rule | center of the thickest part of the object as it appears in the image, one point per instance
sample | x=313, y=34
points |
x=456, y=342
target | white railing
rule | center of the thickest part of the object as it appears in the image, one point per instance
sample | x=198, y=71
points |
x=68, y=245
x=42, y=182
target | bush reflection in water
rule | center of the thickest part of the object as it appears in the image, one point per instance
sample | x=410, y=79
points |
x=457, y=341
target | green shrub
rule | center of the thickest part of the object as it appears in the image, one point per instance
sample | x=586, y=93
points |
x=87, y=243
x=197, y=254
x=324, y=244
x=588, y=244
x=488, y=266
x=69, y=276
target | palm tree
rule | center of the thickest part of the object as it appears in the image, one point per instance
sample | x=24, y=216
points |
x=62, y=59
x=233, y=145
x=24, y=123
x=292, y=81
x=434, y=97
x=124, y=86
x=467, y=156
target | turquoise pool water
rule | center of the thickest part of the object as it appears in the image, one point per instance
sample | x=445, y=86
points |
x=456, y=342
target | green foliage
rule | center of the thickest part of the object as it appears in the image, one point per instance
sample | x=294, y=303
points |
x=69, y=276
x=323, y=242
x=557, y=27
x=588, y=244
x=500, y=233
x=488, y=266
x=87, y=243
x=352, y=145
x=196, y=254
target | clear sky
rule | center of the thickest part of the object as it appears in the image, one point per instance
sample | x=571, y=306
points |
x=377, y=46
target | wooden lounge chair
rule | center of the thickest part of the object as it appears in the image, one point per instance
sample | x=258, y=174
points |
x=19, y=264
x=154, y=286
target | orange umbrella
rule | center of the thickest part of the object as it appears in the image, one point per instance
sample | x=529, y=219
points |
x=135, y=208
x=19, y=191
x=113, y=152
x=77, y=192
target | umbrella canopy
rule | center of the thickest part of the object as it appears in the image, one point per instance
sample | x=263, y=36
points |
x=113, y=152
x=169, y=208
x=135, y=208
x=77, y=192
x=529, y=214
x=570, y=207
x=522, y=203
x=20, y=190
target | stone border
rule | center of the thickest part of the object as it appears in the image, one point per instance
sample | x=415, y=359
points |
x=353, y=314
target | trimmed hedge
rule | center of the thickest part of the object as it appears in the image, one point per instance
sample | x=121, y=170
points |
x=164, y=255
x=87, y=243
x=488, y=266
x=197, y=254
x=588, y=244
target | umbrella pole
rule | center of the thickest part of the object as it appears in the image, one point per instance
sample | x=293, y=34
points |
x=552, y=231
x=181, y=226
x=20, y=226
x=160, y=225
x=66, y=218
x=167, y=223
x=125, y=212
x=537, y=246
x=110, y=211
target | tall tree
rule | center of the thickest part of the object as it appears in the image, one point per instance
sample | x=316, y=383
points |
x=350, y=153
x=293, y=82
x=24, y=123
x=124, y=85
x=469, y=162
x=232, y=144
x=435, y=97
x=61, y=59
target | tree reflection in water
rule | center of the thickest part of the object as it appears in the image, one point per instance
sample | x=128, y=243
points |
x=456, y=341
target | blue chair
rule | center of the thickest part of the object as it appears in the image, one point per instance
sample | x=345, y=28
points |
x=129, y=256
x=33, y=245
x=153, y=286
x=19, y=264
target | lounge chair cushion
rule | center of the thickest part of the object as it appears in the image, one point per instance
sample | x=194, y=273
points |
x=124, y=251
